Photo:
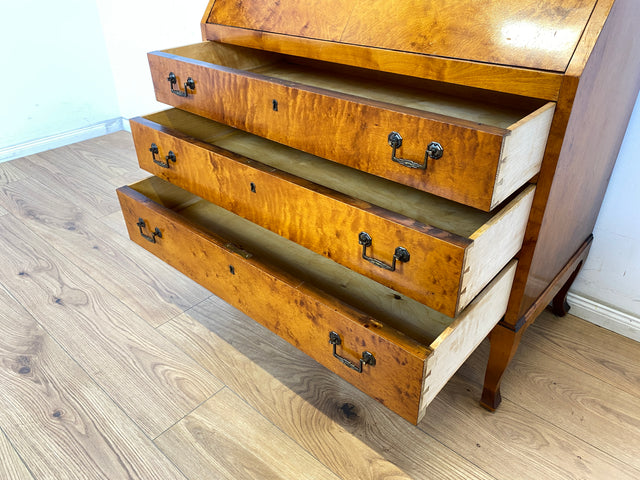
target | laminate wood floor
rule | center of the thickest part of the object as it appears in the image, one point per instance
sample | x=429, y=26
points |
x=115, y=366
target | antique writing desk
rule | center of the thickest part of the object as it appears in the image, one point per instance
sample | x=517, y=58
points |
x=384, y=184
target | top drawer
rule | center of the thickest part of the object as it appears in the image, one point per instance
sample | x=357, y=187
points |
x=472, y=152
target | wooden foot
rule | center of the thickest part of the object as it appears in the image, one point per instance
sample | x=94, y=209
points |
x=504, y=343
x=559, y=304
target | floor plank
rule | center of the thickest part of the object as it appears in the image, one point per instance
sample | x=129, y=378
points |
x=226, y=439
x=9, y=172
x=150, y=379
x=116, y=223
x=570, y=405
x=589, y=348
x=513, y=442
x=62, y=424
x=355, y=436
x=94, y=193
x=149, y=287
x=577, y=402
x=11, y=466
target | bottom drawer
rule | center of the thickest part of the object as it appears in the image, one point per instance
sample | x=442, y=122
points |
x=393, y=348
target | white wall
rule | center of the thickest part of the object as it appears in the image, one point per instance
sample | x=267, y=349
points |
x=56, y=74
x=134, y=27
x=611, y=274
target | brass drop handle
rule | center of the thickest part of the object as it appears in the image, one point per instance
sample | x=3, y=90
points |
x=401, y=254
x=189, y=84
x=366, y=359
x=434, y=151
x=150, y=238
x=155, y=151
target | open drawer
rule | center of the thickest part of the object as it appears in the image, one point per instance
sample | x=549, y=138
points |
x=470, y=151
x=391, y=347
x=433, y=250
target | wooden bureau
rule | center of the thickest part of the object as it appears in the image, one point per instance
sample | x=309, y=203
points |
x=384, y=187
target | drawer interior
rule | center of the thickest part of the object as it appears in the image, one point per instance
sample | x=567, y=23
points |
x=426, y=208
x=472, y=106
x=248, y=239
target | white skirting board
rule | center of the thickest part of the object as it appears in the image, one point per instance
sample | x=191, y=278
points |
x=62, y=139
x=606, y=317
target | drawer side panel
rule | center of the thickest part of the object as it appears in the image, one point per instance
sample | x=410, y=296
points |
x=464, y=335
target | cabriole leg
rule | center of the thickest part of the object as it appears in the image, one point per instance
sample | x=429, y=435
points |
x=504, y=343
x=559, y=304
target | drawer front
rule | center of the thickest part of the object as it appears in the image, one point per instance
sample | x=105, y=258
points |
x=399, y=377
x=438, y=270
x=355, y=131
x=284, y=305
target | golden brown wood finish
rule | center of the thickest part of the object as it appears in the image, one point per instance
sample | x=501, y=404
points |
x=605, y=96
x=302, y=314
x=518, y=81
x=446, y=270
x=525, y=33
x=341, y=125
x=260, y=293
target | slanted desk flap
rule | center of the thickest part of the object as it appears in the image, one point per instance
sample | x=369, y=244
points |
x=538, y=34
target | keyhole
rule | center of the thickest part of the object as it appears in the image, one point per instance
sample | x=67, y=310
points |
x=253, y=187
x=232, y=270
x=275, y=105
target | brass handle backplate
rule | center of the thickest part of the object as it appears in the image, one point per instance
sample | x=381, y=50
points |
x=434, y=151
x=164, y=164
x=366, y=359
x=150, y=238
x=189, y=85
x=401, y=254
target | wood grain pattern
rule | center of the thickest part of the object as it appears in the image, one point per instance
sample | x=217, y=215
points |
x=518, y=81
x=461, y=338
x=186, y=127
x=522, y=152
x=502, y=235
x=589, y=349
x=521, y=33
x=153, y=382
x=513, y=442
x=607, y=89
x=435, y=275
x=344, y=428
x=544, y=380
x=9, y=172
x=331, y=228
x=11, y=466
x=154, y=292
x=399, y=359
x=314, y=18
x=225, y=438
x=185, y=246
x=60, y=421
x=91, y=191
x=348, y=123
x=349, y=432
